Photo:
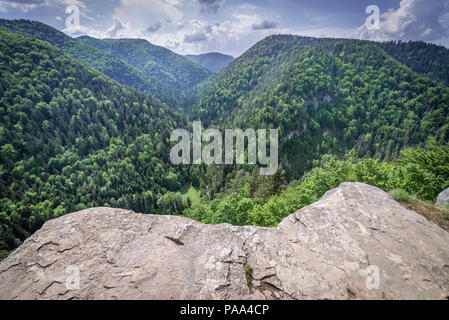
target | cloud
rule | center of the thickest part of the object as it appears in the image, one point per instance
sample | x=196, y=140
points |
x=176, y=25
x=265, y=24
x=195, y=37
x=23, y=5
x=247, y=6
x=116, y=28
x=210, y=6
x=139, y=12
x=154, y=27
x=413, y=20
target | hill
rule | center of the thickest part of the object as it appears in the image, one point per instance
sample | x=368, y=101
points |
x=71, y=138
x=212, y=61
x=162, y=73
x=163, y=67
x=425, y=58
x=325, y=96
x=104, y=62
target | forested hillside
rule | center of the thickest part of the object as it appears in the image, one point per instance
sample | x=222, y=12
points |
x=154, y=70
x=325, y=96
x=71, y=138
x=425, y=58
x=419, y=173
x=168, y=71
x=78, y=129
x=104, y=62
x=212, y=61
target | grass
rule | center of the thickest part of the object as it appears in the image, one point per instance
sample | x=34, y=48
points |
x=438, y=214
x=191, y=193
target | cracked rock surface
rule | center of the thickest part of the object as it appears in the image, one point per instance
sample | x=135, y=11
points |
x=443, y=197
x=355, y=243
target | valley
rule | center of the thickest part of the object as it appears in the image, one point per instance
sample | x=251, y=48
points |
x=86, y=123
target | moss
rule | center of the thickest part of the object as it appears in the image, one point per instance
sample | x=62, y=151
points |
x=248, y=274
x=401, y=196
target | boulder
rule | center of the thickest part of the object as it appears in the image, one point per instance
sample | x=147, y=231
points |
x=443, y=197
x=355, y=243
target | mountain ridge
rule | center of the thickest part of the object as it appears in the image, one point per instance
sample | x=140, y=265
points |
x=213, y=61
x=105, y=63
x=163, y=66
x=149, y=80
x=339, y=90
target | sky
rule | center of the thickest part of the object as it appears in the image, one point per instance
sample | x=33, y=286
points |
x=231, y=26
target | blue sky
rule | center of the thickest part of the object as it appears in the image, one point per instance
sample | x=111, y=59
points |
x=231, y=26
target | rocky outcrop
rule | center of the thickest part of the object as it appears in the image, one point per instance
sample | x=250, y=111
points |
x=355, y=243
x=443, y=197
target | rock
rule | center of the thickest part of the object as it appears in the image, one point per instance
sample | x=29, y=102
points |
x=355, y=243
x=443, y=197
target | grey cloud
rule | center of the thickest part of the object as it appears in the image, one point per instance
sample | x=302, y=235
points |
x=210, y=6
x=154, y=27
x=22, y=5
x=115, y=28
x=413, y=20
x=37, y=2
x=195, y=37
x=180, y=25
x=265, y=24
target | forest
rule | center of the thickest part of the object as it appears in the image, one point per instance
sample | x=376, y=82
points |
x=146, y=67
x=87, y=122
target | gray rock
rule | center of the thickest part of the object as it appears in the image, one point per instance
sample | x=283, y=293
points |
x=443, y=197
x=355, y=243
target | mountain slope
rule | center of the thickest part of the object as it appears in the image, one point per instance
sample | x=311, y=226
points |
x=164, y=68
x=104, y=62
x=212, y=61
x=425, y=58
x=71, y=138
x=136, y=63
x=325, y=96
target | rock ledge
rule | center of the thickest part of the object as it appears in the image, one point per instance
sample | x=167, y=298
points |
x=355, y=243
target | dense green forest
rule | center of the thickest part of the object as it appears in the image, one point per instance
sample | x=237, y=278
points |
x=163, y=67
x=82, y=125
x=423, y=172
x=429, y=59
x=212, y=61
x=71, y=138
x=325, y=96
x=165, y=76
x=102, y=61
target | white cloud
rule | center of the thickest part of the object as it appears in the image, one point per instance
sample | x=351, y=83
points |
x=413, y=20
x=247, y=6
x=195, y=37
x=323, y=32
x=6, y=6
x=154, y=27
x=115, y=31
x=146, y=12
x=210, y=6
